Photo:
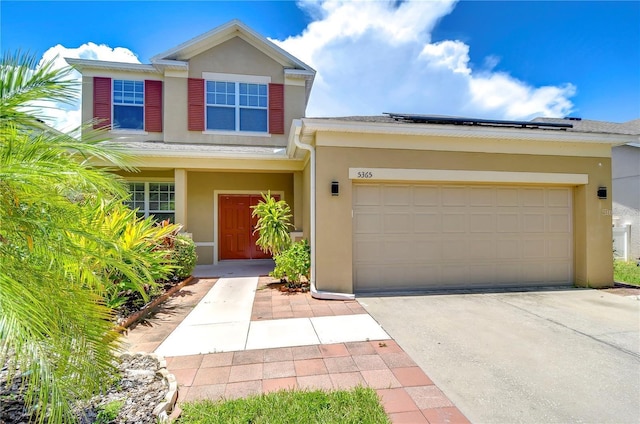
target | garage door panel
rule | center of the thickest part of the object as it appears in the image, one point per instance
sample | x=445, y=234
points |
x=481, y=196
x=533, y=222
x=558, y=272
x=559, y=249
x=559, y=223
x=508, y=222
x=427, y=250
x=398, y=251
x=367, y=195
x=507, y=197
x=454, y=196
x=559, y=198
x=397, y=195
x=426, y=196
x=368, y=223
x=453, y=250
x=454, y=222
x=482, y=249
x=533, y=248
x=426, y=222
x=533, y=197
x=398, y=223
x=367, y=250
x=412, y=237
x=508, y=249
x=481, y=222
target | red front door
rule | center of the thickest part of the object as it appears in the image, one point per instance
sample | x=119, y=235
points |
x=236, y=225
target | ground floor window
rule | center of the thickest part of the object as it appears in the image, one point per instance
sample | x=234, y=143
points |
x=153, y=199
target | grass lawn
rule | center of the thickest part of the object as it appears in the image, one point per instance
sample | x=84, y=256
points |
x=359, y=405
x=626, y=272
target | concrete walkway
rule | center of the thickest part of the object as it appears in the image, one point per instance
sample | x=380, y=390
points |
x=239, y=336
x=221, y=322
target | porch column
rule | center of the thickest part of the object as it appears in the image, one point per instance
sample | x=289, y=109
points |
x=180, y=181
x=297, y=200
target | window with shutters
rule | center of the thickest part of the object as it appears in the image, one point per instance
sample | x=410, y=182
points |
x=236, y=106
x=128, y=104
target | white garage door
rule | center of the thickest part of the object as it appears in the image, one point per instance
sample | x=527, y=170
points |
x=415, y=237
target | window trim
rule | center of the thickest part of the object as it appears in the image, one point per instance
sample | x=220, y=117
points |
x=146, y=211
x=237, y=79
x=113, y=107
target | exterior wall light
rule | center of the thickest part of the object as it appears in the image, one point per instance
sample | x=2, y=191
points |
x=335, y=188
x=602, y=192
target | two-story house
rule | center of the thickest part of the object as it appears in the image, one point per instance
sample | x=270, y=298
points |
x=389, y=203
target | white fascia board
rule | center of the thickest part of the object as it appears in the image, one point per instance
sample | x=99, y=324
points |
x=177, y=65
x=206, y=155
x=299, y=73
x=84, y=64
x=311, y=126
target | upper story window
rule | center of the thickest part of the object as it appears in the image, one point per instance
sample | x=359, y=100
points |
x=128, y=104
x=132, y=105
x=236, y=106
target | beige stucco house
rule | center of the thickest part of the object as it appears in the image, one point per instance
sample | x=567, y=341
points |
x=389, y=203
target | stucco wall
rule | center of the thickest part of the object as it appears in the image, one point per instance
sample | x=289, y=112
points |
x=592, y=223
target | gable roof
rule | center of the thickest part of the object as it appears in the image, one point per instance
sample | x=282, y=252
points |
x=219, y=35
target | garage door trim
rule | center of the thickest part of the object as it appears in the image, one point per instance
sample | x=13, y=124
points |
x=448, y=175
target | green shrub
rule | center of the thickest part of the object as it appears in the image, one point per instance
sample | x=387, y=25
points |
x=109, y=412
x=293, y=263
x=183, y=256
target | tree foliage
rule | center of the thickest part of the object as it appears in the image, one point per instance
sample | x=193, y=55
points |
x=273, y=224
x=55, y=245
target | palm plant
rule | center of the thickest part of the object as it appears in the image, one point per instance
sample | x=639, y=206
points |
x=273, y=224
x=54, y=327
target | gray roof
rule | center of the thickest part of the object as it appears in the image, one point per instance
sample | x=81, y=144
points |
x=587, y=125
x=160, y=147
x=584, y=125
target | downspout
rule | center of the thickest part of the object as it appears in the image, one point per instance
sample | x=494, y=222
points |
x=312, y=212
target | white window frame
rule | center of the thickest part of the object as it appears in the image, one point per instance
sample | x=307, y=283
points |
x=237, y=79
x=114, y=104
x=146, y=210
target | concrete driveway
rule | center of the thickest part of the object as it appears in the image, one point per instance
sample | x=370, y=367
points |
x=557, y=356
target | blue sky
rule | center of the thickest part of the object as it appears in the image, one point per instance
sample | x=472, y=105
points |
x=501, y=59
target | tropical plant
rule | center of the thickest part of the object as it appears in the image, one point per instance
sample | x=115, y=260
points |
x=293, y=264
x=183, y=256
x=273, y=224
x=55, y=330
x=142, y=246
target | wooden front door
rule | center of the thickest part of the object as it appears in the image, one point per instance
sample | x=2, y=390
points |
x=236, y=225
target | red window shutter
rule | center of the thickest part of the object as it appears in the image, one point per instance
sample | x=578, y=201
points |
x=153, y=106
x=276, y=108
x=195, y=100
x=101, y=102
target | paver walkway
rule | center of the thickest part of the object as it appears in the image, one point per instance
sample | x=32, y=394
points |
x=339, y=356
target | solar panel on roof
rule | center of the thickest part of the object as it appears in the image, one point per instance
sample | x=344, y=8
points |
x=435, y=119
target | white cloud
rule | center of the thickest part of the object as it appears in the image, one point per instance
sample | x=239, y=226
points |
x=377, y=56
x=67, y=117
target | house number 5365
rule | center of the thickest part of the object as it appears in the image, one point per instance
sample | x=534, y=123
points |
x=365, y=174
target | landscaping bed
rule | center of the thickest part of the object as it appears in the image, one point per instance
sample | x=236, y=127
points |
x=144, y=392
